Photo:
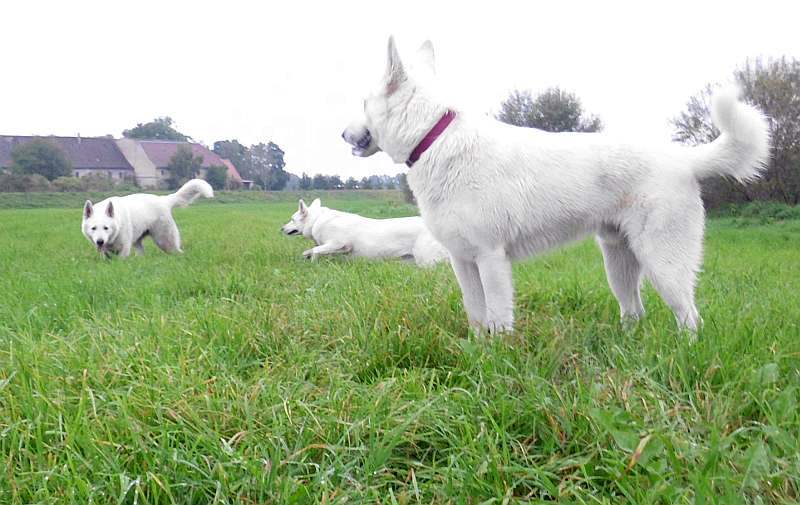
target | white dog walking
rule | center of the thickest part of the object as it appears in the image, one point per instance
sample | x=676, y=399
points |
x=337, y=232
x=118, y=223
x=492, y=193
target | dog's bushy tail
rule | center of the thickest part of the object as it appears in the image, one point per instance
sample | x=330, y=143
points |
x=742, y=149
x=190, y=192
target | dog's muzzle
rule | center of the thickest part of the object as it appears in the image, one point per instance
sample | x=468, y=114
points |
x=361, y=140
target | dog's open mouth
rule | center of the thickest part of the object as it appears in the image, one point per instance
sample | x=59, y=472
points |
x=362, y=144
x=292, y=232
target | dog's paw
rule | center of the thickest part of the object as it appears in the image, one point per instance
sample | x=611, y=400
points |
x=309, y=254
x=629, y=322
x=499, y=327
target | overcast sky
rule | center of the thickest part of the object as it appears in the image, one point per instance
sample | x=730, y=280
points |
x=295, y=72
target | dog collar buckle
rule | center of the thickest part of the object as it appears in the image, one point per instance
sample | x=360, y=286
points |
x=431, y=137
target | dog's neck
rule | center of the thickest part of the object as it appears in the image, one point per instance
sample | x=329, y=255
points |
x=428, y=140
x=308, y=226
x=403, y=133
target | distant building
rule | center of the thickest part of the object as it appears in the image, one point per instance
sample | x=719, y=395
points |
x=144, y=161
x=87, y=155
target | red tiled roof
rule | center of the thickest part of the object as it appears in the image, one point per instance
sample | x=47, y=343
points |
x=89, y=152
x=161, y=151
x=232, y=172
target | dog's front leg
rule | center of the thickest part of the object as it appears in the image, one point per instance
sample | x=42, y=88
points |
x=328, y=248
x=498, y=287
x=471, y=291
x=125, y=251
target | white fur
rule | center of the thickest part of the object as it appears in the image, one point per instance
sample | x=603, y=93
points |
x=118, y=223
x=337, y=232
x=493, y=193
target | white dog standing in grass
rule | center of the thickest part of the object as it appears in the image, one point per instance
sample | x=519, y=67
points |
x=119, y=223
x=337, y=232
x=493, y=193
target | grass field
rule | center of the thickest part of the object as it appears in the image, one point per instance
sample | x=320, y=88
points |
x=240, y=373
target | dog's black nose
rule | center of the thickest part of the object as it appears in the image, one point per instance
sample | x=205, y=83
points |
x=100, y=241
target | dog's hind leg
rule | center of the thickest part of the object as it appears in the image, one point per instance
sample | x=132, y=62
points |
x=469, y=280
x=498, y=288
x=624, y=272
x=166, y=236
x=670, y=248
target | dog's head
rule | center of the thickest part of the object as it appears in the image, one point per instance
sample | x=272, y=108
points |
x=99, y=225
x=390, y=111
x=302, y=218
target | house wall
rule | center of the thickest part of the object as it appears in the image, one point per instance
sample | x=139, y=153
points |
x=114, y=173
x=147, y=175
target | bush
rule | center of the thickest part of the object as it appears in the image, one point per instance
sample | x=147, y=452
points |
x=67, y=183
x=217, y=176
x=23, y=183
x=97, y=182
x=233, y=184
x=760, y=211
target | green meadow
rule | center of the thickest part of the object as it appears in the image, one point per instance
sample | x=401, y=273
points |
x=238, y=372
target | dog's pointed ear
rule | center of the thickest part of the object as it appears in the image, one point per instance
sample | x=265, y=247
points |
x=302, y=207
x=316, y=204
x=395, y=73
x=427, y=57
x=110, y=209
x=88, y=210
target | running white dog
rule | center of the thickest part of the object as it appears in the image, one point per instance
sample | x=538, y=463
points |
x=338, y=232
x=492, y=193
x=118, y=223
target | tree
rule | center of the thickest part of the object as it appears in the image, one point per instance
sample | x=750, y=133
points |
x=42, y=157
x=158, y=129
x=351, y=183
x=335, y=182
x=265, y=166
x=774, y=88
x=237, y=153
x=305, y=182
x=408, y=195
x=183, y=165
x=554, y=110
x=217, y=176
x=320, y=182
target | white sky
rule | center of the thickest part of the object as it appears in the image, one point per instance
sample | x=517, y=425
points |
x=295, y=72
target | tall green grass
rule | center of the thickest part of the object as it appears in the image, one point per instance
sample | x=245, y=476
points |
x=240, y=373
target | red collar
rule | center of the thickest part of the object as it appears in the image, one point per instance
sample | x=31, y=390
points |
x=431, y=137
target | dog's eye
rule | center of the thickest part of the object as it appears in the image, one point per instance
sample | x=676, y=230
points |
x=94, y=228
x=105, y=227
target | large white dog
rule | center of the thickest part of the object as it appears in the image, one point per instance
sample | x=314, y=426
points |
x=492, y=193
x=118, y=223
x=337, y=232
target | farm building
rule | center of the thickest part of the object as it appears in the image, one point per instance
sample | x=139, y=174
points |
x=87, y=155
x=144, y=161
